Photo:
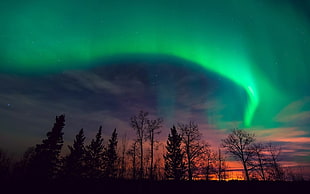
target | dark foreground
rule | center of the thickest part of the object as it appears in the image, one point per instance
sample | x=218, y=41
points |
x=149, y=187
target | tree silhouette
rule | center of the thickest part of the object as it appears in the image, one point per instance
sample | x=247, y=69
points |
x=174, y=165
x=220, y=166
x=239, y=143
x=74, y=164
x=94, y=156
x=139, y=124
x=258, y=161
x=45, y=163
x=132, y=152
x=5, y=163
x=275, y=170
x=21, y=168
x=122, y=158
x=207, y=161
x=192, y=147
x=153, y=129
x=111, y=156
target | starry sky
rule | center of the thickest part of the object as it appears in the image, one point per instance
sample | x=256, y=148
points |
x=221, y=63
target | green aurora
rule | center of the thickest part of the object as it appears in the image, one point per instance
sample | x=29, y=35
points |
x=261, y=45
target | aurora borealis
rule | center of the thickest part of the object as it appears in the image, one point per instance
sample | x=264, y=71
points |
x=247, y=64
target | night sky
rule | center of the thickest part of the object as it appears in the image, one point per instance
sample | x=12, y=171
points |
x=221, y=63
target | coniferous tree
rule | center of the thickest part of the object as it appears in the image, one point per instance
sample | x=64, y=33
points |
x=94, y=156
x=111, y=156
x=74, y=164
x=174, y=165
x=45, y=163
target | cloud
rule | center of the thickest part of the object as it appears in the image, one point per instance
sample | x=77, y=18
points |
x=296, y=112
x=91, y=81
x=89, y=99
x=292, y=134
x=294, y=142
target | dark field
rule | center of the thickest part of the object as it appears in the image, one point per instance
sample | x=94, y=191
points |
x=155, y=187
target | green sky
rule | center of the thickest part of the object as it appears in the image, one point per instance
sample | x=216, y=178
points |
x=261, y=45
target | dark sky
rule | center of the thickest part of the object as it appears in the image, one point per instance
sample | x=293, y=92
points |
x=109, y=95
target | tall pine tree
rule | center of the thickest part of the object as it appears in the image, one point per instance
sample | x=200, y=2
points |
x=94, y=156
x=45, y=163
x=174, y=165
x=74, y=164
x=111, y=156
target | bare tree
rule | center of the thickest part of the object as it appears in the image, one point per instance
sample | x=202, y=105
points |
x=132, y=152
x=220, y=165
x=139, y=124
x=238, y=144
x=145, y=129
x=275, y=170
x=121, y=159
x=192, y=147
x=258, y=161
x=209, y=169
x=295, y=173
x=206, y=162
x=153, y=129
x=159, y=167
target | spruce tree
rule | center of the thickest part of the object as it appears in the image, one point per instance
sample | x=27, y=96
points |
x=74, y=164
x=111, y=156
x=45, y=163
x=94, y=156
x=174, y=165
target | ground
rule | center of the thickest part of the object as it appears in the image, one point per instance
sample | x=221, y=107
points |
x=157, y=187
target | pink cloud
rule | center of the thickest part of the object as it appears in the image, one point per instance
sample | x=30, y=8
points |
x=294, y=112
x=295, y=139
x=291, y=134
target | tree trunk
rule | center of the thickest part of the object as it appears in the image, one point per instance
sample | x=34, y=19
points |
x=141, y=159
x=190, y=175
x=262, y=169
x=152, y=154
x=246, y=171
x=134, y=163
x=220, y=166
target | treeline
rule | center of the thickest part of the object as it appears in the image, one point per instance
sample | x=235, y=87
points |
x=185, y=156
